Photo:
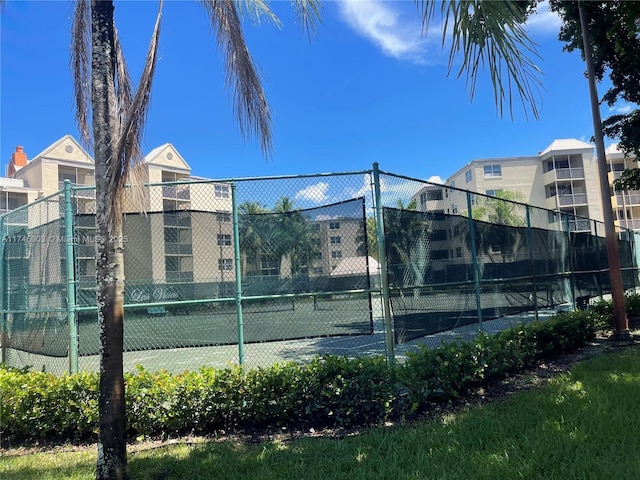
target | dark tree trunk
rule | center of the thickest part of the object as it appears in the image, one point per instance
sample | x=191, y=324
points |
x=112, y=453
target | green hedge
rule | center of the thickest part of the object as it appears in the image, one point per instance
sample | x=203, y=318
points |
x=328, y=391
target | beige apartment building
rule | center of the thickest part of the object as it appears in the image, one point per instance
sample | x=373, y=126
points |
x=165, y=228
x=563, y=177
x=176, y=233
x=626, y=204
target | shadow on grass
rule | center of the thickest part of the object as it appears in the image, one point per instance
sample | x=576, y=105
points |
x=582, y=425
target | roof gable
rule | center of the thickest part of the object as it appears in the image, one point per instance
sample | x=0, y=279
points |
x=67, y=148
x=166, y=156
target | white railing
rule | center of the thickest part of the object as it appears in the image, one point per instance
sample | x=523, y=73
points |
x=575, y=199
x=567, y=173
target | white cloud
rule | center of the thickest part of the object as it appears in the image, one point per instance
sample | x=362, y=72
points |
x=315, y=193
x=544, y=21
x=621, y=109
x=386, y=25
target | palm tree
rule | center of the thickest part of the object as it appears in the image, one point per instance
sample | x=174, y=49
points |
x=499, y=222
x=111, y=117
x=406, y=235
x=293, y=238
x=251, y=229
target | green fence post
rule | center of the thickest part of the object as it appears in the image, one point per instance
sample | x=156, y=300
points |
x=236, y=255
x=384, y=273
x=3, y=294
x=71, y=281
x=572, y=279
x=532, y=263
x=598, y=262
x=474, y=259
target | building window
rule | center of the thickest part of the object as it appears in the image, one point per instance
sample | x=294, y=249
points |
x=315, y=227
x=317, y=256
x=223, y=217
x=221, y=191
x=334, y=225
x=617, y=167
x=438, y=235
x=456, y=230
x=317, y=270
x=492, y=171
x=335, y=240
x=493, y=193
x=435, y=194
x=224, y=239
x=468, y=176
x=458, y=252
x=336, y=254
x=225, y=264
x=452, y=184
x=439, y=254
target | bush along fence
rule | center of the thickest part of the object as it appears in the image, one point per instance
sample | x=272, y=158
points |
x=327, y=391
x=257, y=271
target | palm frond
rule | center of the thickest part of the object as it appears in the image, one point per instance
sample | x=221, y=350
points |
x=123, y=84
x=249, y=100
x=132, y=115
x=81, y=67
x=309, y=13
x=256, y=10
x=490, y=35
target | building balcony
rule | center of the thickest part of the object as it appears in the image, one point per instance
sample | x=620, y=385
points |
x=178, y=249
x=176, y=192
x=579, y=225
x=569, y=173
x=574, y=199
x=628, y=198
x=630, y=224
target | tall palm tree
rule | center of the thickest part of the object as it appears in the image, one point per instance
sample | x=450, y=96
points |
x=111, y=117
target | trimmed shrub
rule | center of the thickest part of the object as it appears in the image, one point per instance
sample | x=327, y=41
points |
x=328, y=391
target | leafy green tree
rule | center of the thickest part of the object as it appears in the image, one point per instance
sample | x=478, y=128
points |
x=609, y=39
x=111, y=115
x=614, y=30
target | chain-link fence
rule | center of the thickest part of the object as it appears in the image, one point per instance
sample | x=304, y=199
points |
x=263, y=270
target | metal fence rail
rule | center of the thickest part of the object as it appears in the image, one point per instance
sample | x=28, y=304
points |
x=263, y=270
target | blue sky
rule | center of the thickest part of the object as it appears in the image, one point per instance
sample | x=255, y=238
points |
x=368, y=88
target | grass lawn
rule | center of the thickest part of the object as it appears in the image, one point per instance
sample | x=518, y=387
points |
x=582, y=425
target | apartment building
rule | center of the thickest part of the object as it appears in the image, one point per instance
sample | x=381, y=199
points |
x=563, y=177
x=179, y=236
x=625, y=204
x=166, y=226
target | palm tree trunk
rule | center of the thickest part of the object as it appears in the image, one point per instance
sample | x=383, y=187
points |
x=112, y=457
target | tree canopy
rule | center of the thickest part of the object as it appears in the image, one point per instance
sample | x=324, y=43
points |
x=614, y=28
